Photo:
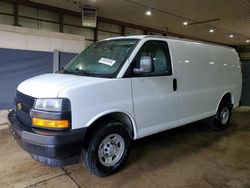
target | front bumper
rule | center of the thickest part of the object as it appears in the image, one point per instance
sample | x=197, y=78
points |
x=49, y=147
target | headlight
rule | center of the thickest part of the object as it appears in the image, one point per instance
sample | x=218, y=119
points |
x=54, y=105
x=51, y=113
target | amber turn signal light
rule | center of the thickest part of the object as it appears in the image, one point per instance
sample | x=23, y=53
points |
x=52, y=124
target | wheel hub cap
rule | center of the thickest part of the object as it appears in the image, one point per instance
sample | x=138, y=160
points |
x=111, y=150
x=224, y=116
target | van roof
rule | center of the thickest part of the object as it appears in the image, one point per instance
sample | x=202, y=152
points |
x=165, y=37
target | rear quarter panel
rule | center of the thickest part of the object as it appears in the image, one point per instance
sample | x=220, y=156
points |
x=228, y=72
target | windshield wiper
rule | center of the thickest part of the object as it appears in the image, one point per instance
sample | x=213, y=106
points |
x=77, y=72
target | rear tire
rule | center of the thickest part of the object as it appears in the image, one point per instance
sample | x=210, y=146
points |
x=222, y=118
x=107, y=150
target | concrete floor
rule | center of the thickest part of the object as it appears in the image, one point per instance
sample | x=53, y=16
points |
x=189, y=156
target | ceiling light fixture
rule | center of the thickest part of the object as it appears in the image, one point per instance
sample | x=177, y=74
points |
x=185, y=23
x=247, y=41
x=211, y=30
x=148, y=12
x=231, y=36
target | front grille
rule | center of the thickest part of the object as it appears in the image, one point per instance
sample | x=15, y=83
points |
x=25, y=104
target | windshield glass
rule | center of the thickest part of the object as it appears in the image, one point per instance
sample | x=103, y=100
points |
x=101, y=59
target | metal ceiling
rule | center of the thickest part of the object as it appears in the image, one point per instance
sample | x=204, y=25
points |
x=231, y=16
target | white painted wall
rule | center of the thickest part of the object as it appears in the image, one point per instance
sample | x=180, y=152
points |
x=32, y=39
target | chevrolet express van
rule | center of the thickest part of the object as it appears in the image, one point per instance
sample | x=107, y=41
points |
x=122, y=89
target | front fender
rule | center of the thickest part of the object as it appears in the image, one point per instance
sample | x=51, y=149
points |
x=111, y=111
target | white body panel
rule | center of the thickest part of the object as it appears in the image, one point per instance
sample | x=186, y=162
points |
x=50, y=85
x=155, y=103
x=106, y=96
x=204, y=73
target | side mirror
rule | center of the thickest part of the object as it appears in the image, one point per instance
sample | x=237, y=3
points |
x=146, y=65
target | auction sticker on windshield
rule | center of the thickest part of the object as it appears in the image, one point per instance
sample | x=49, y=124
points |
x=107, y=61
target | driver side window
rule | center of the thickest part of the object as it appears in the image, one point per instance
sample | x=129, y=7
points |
x=159, y=53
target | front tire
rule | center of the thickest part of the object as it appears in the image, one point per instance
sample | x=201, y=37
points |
x=107, y=150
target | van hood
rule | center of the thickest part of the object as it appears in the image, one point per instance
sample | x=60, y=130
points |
x=50, y=85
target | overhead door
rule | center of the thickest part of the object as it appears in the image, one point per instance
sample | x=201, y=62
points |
x=19, y=65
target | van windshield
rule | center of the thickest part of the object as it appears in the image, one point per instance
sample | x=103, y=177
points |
x=101, y=59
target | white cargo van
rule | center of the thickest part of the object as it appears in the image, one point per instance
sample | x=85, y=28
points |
x=122, y=89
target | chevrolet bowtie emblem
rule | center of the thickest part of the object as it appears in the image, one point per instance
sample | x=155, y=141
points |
x=19, y=106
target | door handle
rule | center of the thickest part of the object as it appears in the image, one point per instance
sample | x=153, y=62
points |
x=175, y=84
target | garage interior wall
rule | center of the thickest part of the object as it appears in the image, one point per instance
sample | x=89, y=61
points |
x=23, y=60
x=246, y=82
x=244, y=52
x=57, y=20
x=66, y=22
x=15, y=64
x=28, y=52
